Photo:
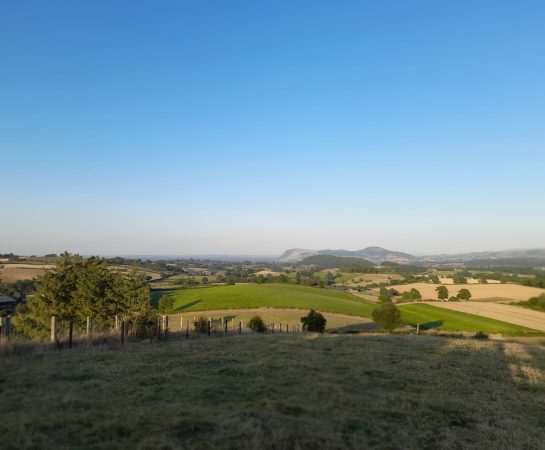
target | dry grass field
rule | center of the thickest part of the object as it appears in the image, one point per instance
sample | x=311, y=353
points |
x=369, y=278
x=499, y=311
x=268, y=272
x=10, y=273
x=491, y=292
x=278, y=392
x=448, y=280
x=285, y=317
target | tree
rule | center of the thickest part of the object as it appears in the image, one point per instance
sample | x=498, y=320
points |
x=78, y=288
x=256, y=324
x=435, y=279
x=464, y=294
x=383, y=296
x=442, y=292
x=204, y=280
x=459, y=278
x=314, y=321
x=416, y=295
x=330, y=278
x=388, y=316
x=298, y=277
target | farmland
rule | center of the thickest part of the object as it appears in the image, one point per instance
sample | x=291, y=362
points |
x=249, y=296
x=278, y=391
x=10, y=273
x=455, y=320
x=490, y=292
x=281, y=296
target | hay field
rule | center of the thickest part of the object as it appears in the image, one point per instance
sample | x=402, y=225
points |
x=10, y=273
x=269, y=272
x=364, y=279
x=278, y=316
x=278, y=392
x=491, y=292
x=499, y=311
x=448, y=280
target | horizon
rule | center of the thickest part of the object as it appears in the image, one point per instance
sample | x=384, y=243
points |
x=249, y=129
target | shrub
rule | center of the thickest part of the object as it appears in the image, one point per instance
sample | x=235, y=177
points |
x=383, y=296
x=387, y=316
x=143, y=325
x=453, y=299
x=314, y=321
x=166, y=304
x=480, y=335
x=201, y=325
x=257, y=325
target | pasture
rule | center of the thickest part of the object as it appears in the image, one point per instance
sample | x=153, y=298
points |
x=482, y=292
x=499, y=311
x=274, y=295
x=454, y=320
x=278, y=391
x=10, y=273
x=288, y=296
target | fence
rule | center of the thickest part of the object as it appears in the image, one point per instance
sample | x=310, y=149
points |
x=63, y=333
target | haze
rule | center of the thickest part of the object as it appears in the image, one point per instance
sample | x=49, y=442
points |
x=208, y=128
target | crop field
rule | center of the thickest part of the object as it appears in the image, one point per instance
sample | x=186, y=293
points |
x=278, y=391
x=250, y=296
x=10, y=273
x=369, y=278
x=460, y=321
x=283, y=317
x=491, y=292
x=499, y=311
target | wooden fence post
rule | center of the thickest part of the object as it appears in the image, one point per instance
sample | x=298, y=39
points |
x=240, y=327
x=187, y=330
x=209, y=325
x=53, y=329
x=165, y=325
x=122, y=332
x=225, y=326
x=8, y=328
x=181, y=324
x=417, y=328
x=70, y=331
x=116, y=322
x=89, y=328
x=272, y=328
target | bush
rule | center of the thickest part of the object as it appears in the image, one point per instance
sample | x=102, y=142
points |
x=257, y=325
x=201, y=325
x=314, y=321
x=143, y=326
x=387, y=316
x=480, y=335
x=166, y=304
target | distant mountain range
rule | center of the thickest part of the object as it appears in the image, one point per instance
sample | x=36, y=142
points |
x=378, y=255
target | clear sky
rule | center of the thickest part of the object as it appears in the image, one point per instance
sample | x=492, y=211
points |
x=249, y=127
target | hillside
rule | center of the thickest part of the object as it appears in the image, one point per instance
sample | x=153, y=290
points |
x=330, y=261
x=373, y=254
x=278, y=391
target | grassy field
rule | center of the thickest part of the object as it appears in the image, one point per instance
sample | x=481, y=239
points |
x=459, y=321
x=251, y=296
x=278, y=391
x=245, y=296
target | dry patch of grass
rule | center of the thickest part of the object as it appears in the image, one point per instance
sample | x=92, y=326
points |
x=268, y=272
x=478, y=291
x=278, y=391
x=10, y=273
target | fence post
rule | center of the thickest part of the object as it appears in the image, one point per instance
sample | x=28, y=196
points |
x=122, y=332
x=187, y=330
x=8, y=328
x=116, y=322
x=181, y=324
x=89, y=328
x=70, y=331
x=240, y=327
x=53, y=329
x=209, y=325
x=417, y=328
x=280, y=327
x=225, y=326
x=165, y=325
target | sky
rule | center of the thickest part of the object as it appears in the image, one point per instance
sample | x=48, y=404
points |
x=243, y=127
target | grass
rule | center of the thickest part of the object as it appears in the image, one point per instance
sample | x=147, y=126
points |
x=458, y=321
x=272, y=392
x=245, y=296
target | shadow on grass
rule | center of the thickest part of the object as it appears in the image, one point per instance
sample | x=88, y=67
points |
x=187, y=305
x=429, y=325
x=355, y=328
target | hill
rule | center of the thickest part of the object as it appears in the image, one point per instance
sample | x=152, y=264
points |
x=373, y=254
x=330, y=261
x=278, y=391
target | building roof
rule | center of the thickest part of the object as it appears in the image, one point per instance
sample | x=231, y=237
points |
x=5, y=299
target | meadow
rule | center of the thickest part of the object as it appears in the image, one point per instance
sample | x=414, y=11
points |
x=278, y=391
x=285, y=296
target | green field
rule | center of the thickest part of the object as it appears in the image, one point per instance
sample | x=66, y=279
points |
x=457, y=321
x=248, y=296
x=289, y=391
x=244, y=296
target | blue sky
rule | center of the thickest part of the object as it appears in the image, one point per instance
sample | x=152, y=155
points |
x=250, y=127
